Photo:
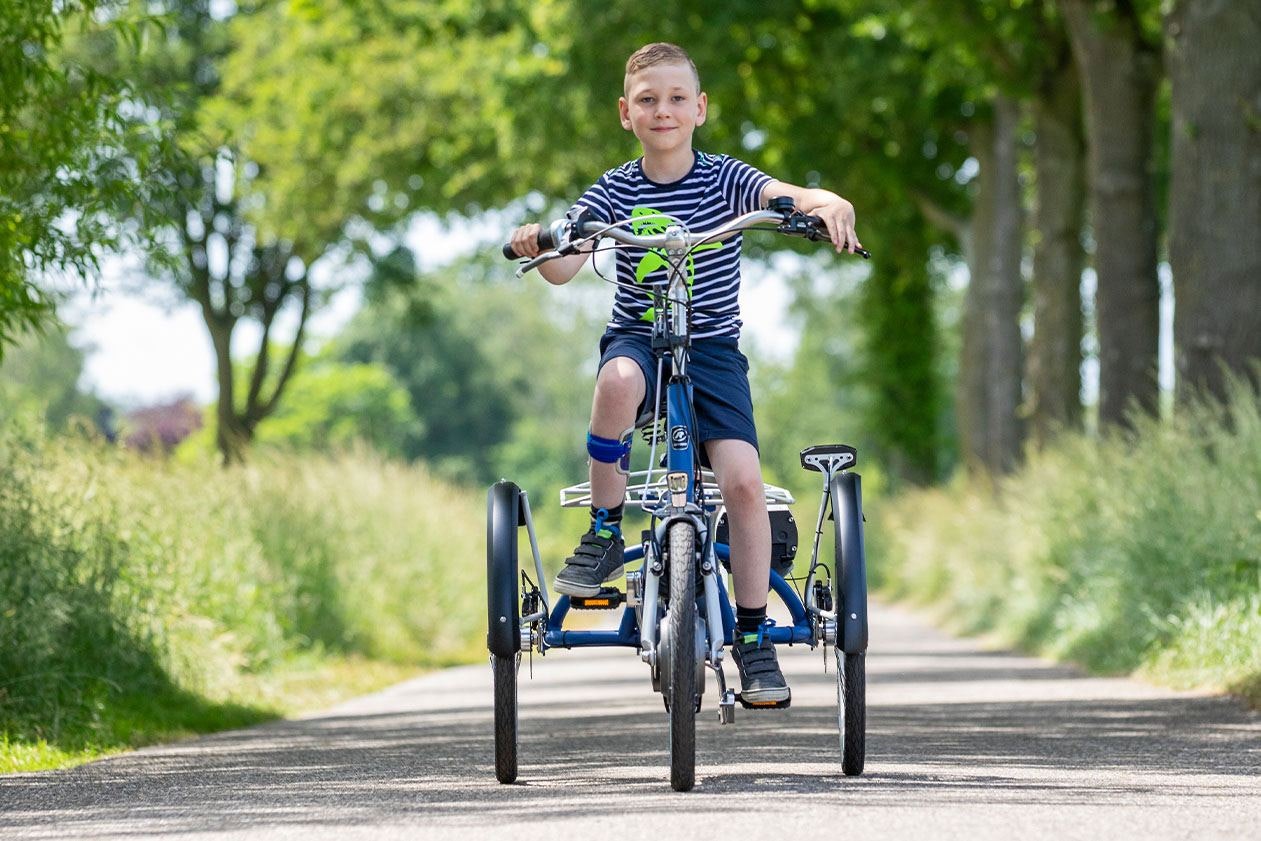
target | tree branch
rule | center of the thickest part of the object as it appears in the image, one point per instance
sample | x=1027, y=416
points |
x=296, y=349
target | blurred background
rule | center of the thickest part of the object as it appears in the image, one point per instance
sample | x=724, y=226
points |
x=261, y=355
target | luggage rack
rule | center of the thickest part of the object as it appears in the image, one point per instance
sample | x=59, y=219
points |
x=642, y=490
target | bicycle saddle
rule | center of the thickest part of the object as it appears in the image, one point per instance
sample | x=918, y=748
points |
x=819, y=456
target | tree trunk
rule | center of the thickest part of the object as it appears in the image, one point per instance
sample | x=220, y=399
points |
x=1215, y=191
x=1005, y=296
x=992, y=356
x=1119, y=73
x=1059, y=161
x=971, y=406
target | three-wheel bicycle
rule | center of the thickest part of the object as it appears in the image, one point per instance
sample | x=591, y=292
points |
x=677, y=613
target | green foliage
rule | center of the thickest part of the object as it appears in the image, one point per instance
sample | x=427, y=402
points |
x=792, y=410
x=40, y=376
x=331, y=405
x=121, y=579
x=499, y=374
x=68, y=159
x=1135, y=551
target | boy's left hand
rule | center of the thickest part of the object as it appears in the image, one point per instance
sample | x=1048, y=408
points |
x=838, y=215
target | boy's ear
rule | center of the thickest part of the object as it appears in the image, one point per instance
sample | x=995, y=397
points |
x=623, y=111
x=702, y=108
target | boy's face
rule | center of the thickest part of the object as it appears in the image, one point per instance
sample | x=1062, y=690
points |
x=662, y=107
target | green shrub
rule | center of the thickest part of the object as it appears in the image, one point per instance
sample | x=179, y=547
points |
x=122, y=578
x=1140, y=550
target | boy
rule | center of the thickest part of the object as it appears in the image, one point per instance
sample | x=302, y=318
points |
x=662, y=105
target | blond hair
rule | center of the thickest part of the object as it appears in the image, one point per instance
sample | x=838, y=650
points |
x=650, y=55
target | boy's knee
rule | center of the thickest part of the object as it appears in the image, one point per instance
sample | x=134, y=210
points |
x=743, y=490
x=621, y=381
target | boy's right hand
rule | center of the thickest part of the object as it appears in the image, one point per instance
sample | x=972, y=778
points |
x=525, y=240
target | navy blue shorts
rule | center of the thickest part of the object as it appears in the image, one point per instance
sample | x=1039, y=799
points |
x=720, y=382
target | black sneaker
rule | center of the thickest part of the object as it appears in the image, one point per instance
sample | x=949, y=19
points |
x=597, y=559
x=761, y=681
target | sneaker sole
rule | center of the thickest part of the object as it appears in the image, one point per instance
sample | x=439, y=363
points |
x=767, y=695
x=572, y=588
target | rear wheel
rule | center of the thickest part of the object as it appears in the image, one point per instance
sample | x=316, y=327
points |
x=851, y=709
x=503, y=634
x=851, y=621
x=505, y=671
x=681, y=622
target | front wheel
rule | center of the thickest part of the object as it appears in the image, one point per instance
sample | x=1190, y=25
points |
x=851, y=710
x=681, y=626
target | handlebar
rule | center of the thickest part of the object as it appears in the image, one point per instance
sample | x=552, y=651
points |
x=563, y=236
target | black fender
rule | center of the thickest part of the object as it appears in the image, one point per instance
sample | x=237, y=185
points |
x=851, y=574
x=503, y=518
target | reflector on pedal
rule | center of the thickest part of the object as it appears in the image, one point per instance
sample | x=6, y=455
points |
x=606, y=599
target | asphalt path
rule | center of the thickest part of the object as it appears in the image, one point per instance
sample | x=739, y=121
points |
x=962, y=743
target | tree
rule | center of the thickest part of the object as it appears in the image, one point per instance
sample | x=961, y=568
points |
x=1215, y=194
x=69, y=163
x=1118, y=52
x=230, y=262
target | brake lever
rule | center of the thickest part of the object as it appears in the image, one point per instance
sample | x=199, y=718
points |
x=530, y=265
x=812, y=228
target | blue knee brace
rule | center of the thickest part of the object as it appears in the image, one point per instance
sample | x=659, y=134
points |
x=610, y=450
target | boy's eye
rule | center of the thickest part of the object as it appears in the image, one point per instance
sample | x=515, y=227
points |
x=678, y=97
x=647, y=100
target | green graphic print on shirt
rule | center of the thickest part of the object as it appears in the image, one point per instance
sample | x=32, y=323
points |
x=645, y=221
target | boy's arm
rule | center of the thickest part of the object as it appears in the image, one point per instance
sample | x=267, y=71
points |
x=557, y=272
x=837, y=213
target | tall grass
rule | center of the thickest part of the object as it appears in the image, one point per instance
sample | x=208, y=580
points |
x=1139, y=551
x=130, y=587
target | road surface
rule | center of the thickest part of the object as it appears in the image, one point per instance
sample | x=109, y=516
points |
x=962, y=743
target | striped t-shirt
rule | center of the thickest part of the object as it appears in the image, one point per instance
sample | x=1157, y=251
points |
x=717, y=189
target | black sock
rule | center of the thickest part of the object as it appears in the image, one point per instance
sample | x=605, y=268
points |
x=612, y=517
x=749, y=619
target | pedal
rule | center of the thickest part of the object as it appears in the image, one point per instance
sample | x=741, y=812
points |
x=607, y=599
x=765, y=705
x=727, y=707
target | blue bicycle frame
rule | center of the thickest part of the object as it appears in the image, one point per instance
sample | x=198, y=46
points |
x=682, y=456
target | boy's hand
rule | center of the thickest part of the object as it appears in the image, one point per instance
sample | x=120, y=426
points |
x=525, y=240
x=838, y=215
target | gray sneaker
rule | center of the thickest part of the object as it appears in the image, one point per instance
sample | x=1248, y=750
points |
x=597, y=559
x=761, y=681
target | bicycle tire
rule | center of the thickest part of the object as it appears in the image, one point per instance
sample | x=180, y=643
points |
x=505, y=676
x=681, y=540
x=851, y=621
x=503, y=633
x=851, y=710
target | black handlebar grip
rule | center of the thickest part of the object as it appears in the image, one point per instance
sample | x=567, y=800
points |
x=544, y=239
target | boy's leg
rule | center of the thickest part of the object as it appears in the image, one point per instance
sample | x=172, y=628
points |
x=739, y=474
x=619, y=391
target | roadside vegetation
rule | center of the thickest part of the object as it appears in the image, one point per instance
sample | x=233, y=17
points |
x=142, y=600
x=1137, y=552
